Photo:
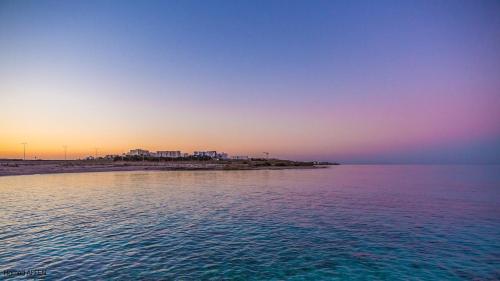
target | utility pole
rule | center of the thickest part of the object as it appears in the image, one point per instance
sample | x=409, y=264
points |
x=96, y=148
x=24, y=150
x=65, y=152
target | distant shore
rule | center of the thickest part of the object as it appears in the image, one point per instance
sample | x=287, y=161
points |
x=32, y=167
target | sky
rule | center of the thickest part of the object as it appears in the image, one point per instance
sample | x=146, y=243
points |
x=348, y=81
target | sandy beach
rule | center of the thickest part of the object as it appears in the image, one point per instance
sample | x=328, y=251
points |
x=31, y=167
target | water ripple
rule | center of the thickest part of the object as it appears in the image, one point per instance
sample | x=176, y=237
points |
x=347, y=222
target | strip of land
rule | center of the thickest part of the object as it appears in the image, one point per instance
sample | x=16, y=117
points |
x=31, y=167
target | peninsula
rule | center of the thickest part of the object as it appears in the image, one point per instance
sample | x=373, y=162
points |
x=145, y=160
x=30, y=167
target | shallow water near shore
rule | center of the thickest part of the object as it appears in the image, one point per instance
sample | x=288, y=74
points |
x=360, y=222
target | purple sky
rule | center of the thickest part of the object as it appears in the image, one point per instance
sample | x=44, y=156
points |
x=350, y=81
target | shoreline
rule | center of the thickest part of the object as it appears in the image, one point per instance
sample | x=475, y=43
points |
x=35, y=167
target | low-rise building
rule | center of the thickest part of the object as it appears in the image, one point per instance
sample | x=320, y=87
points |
x=212, y=154
x=138, y=152
x=169, y=154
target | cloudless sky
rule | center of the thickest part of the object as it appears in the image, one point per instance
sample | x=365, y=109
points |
x=349, y=81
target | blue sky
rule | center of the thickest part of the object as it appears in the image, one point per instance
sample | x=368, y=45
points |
x=354, y=81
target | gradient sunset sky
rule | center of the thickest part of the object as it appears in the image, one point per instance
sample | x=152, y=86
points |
x=349, y=81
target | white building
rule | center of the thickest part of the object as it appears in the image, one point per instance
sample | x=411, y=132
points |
x=212, y=154
x=138, y=152
x=169, y=154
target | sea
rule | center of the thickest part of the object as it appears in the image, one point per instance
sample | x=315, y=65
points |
x=346, y=222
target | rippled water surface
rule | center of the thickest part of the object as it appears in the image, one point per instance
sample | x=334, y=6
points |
x=344, y=222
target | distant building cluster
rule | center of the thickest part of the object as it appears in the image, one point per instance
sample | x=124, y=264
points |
x=168, y=154
x=138, y=152
x=144, y=153
x=211, y=154
x=174, y=154
x=158, y=154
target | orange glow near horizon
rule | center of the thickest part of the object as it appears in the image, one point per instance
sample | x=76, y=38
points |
x=295, y=85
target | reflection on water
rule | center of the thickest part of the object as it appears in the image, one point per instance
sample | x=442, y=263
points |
x=371, y=222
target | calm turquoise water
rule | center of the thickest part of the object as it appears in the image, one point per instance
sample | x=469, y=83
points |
x=340, y=223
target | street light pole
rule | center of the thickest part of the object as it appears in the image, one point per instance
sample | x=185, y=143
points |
x=65, y=152
x=24, y=150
